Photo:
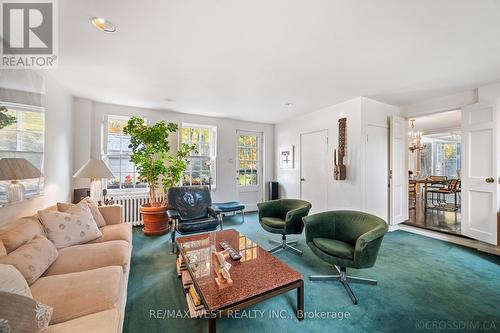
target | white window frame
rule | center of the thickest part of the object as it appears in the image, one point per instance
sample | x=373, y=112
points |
x=260, y=139
x=212, y=148
x=105, y=155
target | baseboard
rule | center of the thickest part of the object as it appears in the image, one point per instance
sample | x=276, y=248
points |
x=472, y=243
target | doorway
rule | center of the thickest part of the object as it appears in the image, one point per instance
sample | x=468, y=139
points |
x=314, y=169
x=249, y=170
x=434, y=172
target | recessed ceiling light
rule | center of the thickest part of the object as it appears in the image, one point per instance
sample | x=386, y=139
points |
x=103, y=25
x=168, y=100
x=289, y=105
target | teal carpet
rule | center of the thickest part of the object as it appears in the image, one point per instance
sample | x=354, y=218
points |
x=424, y=285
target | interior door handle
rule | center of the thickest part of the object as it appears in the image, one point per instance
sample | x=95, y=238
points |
x=302, y=179
x=490, y=180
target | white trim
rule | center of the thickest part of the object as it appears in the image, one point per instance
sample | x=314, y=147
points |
x=23, y=107
x=260, y=161
x=472, y=243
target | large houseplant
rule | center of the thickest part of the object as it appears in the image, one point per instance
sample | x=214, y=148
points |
x=157, y=167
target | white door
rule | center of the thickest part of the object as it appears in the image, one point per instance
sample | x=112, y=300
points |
x=376, y=197
x=314, y=169
x=480, y=172
x=249, y=167
x=398, y=170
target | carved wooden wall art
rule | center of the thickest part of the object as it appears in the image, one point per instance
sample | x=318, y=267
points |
x=339, y=154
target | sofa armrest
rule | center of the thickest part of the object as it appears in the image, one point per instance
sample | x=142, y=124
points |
x=214, y=211
x=293, y=220
x=112, y=214
x=173, y=214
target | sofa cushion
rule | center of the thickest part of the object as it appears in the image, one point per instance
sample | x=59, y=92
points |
x=3, y=250
x=94, y=210
x=122, y=231
x=85, y=257
x=20, y=232
x=78, y=294
x=20, y=313
x=335, y=247
x=76, y=226
x=274, y=222
x=99, y=322
x=32, y=259
x=12, y=281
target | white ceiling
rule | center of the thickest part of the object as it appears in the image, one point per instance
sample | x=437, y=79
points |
x=439, y=123
x=246, y=59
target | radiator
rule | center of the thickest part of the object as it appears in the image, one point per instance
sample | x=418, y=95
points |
x=130, y=205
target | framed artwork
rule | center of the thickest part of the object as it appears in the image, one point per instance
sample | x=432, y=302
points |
x=286, y=157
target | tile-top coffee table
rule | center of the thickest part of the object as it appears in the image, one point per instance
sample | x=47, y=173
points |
x=256, y=277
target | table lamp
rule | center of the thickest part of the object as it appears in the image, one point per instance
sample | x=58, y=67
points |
x=15, y=169
x=95, y=170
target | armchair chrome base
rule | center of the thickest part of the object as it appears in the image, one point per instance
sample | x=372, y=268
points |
x=284, y=245
x=343, y=278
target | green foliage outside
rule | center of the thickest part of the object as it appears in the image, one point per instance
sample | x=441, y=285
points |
x=151, y=155
x=6, y=119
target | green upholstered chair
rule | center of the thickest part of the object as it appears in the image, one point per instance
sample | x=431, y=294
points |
x=345, y=239
x=284, y=217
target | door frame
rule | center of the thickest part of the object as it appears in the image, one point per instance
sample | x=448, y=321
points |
x=416, y=114
x=260, y=163
x=301, y=161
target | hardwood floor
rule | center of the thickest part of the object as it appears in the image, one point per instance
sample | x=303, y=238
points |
x=437, y=219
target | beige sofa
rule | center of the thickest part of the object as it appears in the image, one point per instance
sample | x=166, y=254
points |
x=87, y=284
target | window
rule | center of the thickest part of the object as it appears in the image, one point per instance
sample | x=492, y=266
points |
x=441, y=157
x=24, y=139
x=248, y=159
x=116, y=154
x=201, y=169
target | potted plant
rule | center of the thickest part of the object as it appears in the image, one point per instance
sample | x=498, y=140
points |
x=155, y=165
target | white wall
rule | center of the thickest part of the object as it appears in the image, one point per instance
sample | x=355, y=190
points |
x=57, y=158
x=88, y=119
x=350, y=193
x=440, y=104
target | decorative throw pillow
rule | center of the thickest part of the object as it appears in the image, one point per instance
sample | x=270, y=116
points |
x=77, y=226
x=22, y=314
x=33, y=258
x=11, y=281
x=94, y=209
x=20, y=232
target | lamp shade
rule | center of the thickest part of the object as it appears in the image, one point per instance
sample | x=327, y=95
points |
x=94, y=168
x=17, y=168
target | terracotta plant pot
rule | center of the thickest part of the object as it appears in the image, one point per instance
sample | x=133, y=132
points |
x=155, y=220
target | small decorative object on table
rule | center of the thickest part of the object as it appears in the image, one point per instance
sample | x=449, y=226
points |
x=340, y=169
x=221, y=268
x=232, y=252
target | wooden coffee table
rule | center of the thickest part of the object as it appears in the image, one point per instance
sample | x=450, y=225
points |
x=256, y=277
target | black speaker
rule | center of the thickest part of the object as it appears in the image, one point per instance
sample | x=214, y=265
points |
x=79, y=194
x=273, y=191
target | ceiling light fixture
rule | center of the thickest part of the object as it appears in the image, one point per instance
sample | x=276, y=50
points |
x=289, y=105
x=168, y=100
x=103, y=25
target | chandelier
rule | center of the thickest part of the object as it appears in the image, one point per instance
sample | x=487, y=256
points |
x=415, y=138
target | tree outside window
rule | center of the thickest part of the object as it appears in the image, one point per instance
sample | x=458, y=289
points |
x=201, y=169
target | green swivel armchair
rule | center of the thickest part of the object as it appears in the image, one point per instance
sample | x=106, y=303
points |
x=284, y=217
x=345, y=239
